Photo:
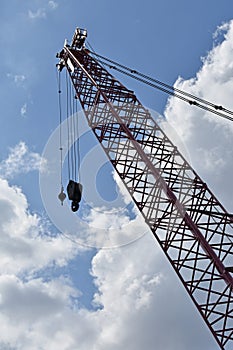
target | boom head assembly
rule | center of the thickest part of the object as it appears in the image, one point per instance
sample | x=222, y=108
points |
x=79, y=38
x=78, y=43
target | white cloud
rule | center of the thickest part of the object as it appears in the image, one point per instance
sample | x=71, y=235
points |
x=24, y=250
x=53, y=4
x=209, y=138
x=113, y=228
x=133, y=293
x=21, y=160
x=140, y=299
x=35, y=297
x=29, y=308
x=17, y=78
x=41, y=13
x=28, y=302
x=133, y=290
x=142, y=303
x=23, y=110
x=23, y=245
x=219, y=34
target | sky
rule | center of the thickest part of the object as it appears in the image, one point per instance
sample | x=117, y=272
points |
x=95, y=291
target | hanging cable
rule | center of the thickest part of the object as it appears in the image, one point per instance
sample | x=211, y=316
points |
x=186, y=97
x=67, y=123
x=74, y=188
x=77, y=139
x=74, y=137
x=73, y=133
x=91, y=47
x=61, y=195
x=71, y=129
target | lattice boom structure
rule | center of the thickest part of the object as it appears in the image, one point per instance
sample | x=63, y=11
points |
x=190, y=224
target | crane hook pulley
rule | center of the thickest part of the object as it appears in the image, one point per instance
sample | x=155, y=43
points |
x=62, y=195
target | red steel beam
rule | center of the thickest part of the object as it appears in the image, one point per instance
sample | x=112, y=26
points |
x=190, y=224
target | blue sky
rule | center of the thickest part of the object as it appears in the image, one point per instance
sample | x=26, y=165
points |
x=56, y=293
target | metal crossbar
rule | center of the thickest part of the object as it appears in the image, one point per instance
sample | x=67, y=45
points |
x=191, y=225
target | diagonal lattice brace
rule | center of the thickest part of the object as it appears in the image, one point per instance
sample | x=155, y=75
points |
x=191, y=225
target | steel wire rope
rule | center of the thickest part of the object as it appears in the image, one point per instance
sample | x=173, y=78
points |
x=74, y=137
x=92, y=50
x=155, y=80
x=71, y=129
x=163, y=84
x=61, y=195
x=73, y=133
x=197, y=101
x=60, y=125
x=67, y=123
x=77, y=139
x=74, y=129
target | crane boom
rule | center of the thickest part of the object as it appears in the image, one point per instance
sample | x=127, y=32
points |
x=190, y=224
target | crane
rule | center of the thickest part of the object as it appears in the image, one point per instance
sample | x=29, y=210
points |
x=191, y=226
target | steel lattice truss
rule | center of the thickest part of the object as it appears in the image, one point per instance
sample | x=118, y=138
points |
x=192, y=227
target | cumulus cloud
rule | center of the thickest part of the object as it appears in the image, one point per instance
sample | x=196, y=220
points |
x=21, y=160
x=17, y=78
x=52, y=4
x=136, y=290
x=27, y=299
x=24, y=246
x=139, y=301
x=35, y=297
x=132, y=290
x=113, y=227
x=208, y=137
x=29, y=308
x=41, y=13
x=23, y=110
